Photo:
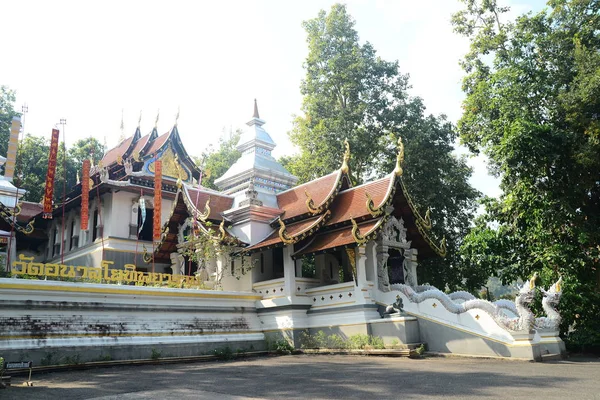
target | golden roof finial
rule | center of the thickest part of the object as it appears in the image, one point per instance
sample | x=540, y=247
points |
x=140, y=119
x=177, y=116
x=399, y=158
x=345, y=167
x=157, y=117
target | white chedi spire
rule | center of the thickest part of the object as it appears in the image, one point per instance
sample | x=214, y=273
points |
x=256, y=167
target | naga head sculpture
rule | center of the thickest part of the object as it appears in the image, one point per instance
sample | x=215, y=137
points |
x=552, y=296
x=527, y=292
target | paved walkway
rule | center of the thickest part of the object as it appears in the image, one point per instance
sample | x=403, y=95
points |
x=324, y=377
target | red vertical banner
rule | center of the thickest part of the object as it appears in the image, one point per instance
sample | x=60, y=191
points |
x=85, y=195
x=157, y=199
x=50, y=175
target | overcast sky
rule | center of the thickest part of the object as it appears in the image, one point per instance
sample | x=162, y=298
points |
x=87, y=61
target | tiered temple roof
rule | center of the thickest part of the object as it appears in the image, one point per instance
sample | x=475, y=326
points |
x=328, y=213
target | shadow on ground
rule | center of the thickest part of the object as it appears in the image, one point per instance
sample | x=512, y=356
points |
x=318, y=377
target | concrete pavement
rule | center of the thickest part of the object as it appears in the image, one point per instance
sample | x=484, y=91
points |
x=323, y=377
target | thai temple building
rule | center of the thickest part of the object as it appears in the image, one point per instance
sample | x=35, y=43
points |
x=274, y=258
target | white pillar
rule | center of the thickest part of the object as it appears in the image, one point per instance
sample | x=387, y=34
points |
x=289, y=271
x=361, y=266
x=410, y=267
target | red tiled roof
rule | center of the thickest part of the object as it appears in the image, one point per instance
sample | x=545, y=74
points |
x=29, y=210
x=331, y=239
x=158, y=142
x=111, y=155
x=292, y=230
x=353, y=202
x=218, y=202
x=293, y=201
x=141, y=143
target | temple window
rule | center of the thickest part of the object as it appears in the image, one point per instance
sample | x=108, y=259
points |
x=278, y=262
x=96, y=225
x=72, y=234
x=262, y=263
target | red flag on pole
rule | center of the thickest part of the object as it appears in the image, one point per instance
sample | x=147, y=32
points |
x=157, y=199
x=85, y=194
x=50, y=175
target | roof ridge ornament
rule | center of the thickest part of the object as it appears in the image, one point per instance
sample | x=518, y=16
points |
x=283, y=234
x=399, y=158
x=310, y=204
x=345, y=168
x=358, y=238
x=204, y=215
x=375, y=212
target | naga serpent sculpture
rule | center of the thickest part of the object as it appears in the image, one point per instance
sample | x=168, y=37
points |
x=523, y=322
x=549, y=304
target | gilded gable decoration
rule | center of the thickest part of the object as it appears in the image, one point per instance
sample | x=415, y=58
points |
x=170, y=165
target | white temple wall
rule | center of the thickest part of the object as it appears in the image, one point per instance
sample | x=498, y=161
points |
x=61, y=321
x=120, y=215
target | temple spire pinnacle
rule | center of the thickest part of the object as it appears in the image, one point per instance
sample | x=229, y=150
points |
x=255, y=115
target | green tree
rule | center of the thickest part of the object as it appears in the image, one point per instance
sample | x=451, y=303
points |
x=7, y=112
x=215, y=163
x=532, y=106
x=31, y=167
x=351, y=93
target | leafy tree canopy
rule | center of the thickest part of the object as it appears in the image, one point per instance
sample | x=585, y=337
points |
x=352, y=94
x=214, y=163
x=7, y=112
x=533, y=107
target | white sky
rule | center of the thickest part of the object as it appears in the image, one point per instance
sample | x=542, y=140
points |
x=86, y=61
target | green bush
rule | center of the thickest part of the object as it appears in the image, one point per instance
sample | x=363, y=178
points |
x=336, y=342
x=281, y=346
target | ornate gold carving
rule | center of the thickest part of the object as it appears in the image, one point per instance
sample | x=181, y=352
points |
x=352, y=258
x=345, y=168
x=147, y=256
x=399, y=158
x=204, y=215
x=358, y=238
x=283, y=234
x=310, y=204
x=171, y=166
x=427, y=220
x=136, y=156
x=222, y=230
x=17, y=210
x=442, y=251
x=375, y=212
x=120, y=160
x=29, y=228
x=559, y=284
